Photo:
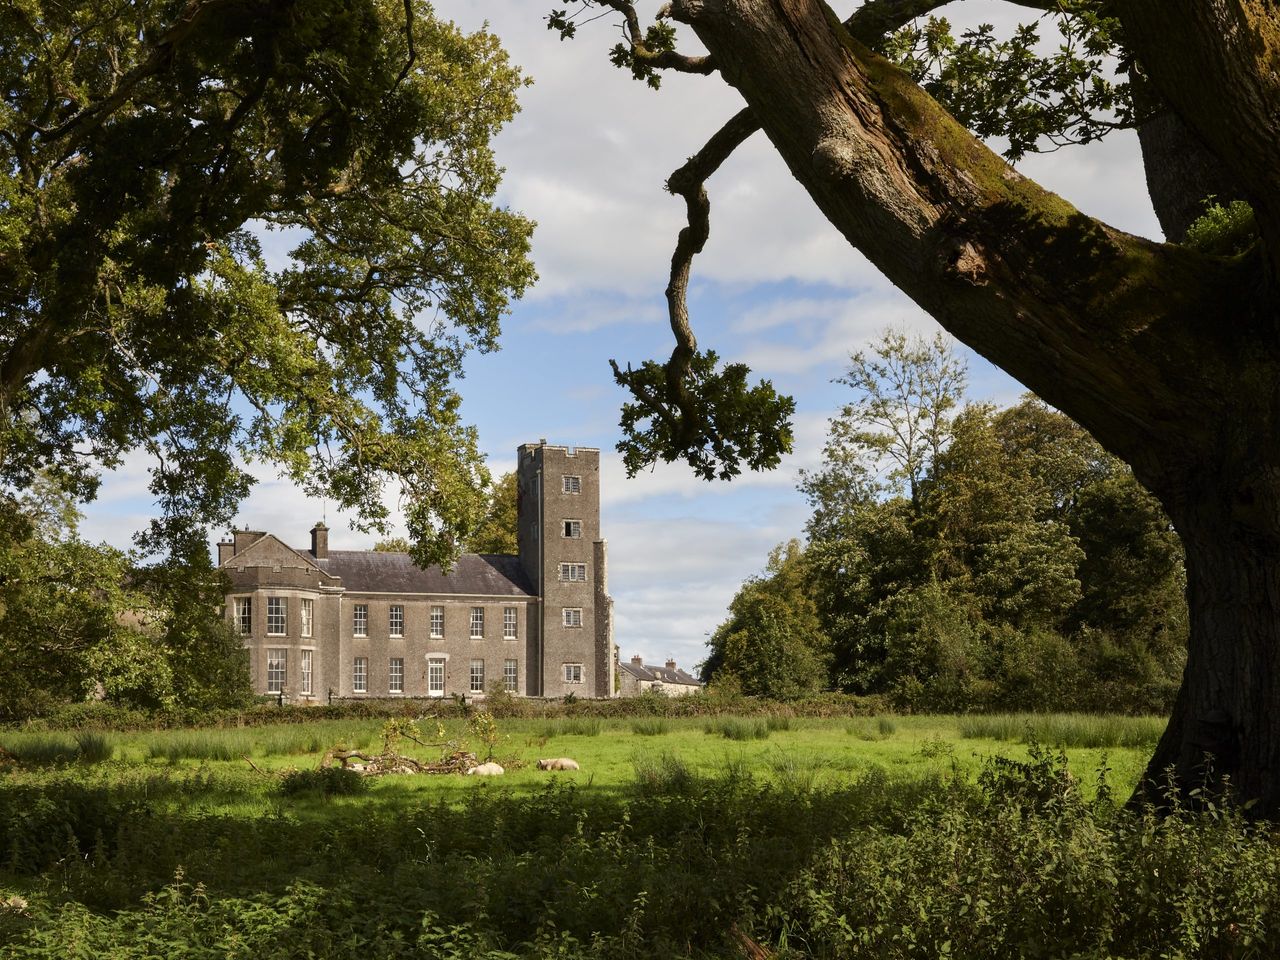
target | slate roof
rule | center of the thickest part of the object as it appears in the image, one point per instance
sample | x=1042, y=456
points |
x=660, y=674
x=372, y=571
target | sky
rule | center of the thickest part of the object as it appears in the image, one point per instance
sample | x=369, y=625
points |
x=776, y=288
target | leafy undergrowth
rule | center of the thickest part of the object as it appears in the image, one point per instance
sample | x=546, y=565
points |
x=1019, y=862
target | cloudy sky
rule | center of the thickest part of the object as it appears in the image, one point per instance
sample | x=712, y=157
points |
x=776, y=288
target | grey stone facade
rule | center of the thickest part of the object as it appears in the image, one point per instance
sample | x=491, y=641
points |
x=361, y=623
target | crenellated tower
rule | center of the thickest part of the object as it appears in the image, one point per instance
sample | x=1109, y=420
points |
x=564, y=556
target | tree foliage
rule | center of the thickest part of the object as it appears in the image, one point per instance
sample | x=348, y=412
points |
x=773, y=644
x=1002, y=560
x=154, y=154
x=497, y=531
x=80, y=620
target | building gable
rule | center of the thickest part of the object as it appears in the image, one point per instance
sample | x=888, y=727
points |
x=269, y=551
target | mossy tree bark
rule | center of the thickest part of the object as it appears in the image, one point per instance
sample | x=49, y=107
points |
x=1170, y=357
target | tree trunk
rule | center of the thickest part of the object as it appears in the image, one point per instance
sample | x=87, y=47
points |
x=1225, y=726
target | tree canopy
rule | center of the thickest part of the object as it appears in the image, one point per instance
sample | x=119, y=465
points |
x=1019, y=566
x=155, y=155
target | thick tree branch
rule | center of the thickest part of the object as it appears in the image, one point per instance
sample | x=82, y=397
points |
x=875, y=19
x=1094, y=320
x=1218, y=65
x=689, y=182
x=75, y=128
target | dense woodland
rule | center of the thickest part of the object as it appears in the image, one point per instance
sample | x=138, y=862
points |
x=960, y=557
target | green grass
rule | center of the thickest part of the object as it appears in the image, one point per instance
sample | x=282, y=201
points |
x=827, y=838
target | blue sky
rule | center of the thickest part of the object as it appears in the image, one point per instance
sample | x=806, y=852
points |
x=777, y=288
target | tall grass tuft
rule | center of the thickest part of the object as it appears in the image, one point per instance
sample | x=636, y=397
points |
x=94, y=747
x=572, y=727
x=1065, y=729
x=663, y=775
x=795, y=772
x=738, y=728
x=872, y=728
x=650, y=727
x=778, y=721
x=200, y=745
x=42, y=748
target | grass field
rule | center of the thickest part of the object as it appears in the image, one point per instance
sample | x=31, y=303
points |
x=878, y=837
x=613, y=753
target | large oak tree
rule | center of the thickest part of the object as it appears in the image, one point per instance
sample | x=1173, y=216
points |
x=147, y=148
x=1169, y=353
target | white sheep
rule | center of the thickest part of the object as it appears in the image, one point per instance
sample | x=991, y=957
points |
x=486, y=770
x=558, y=763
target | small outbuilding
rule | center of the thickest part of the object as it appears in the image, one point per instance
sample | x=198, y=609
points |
x=636, y=678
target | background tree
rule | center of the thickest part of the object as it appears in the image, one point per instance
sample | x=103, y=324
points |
x=497, y=531
x=1166, y=353
x=143, y=148
x=79, y=620
x=1030, y=571
x=900, y=420
x=772, y=645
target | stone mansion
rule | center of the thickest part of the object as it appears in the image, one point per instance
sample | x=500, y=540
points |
x=355, y=623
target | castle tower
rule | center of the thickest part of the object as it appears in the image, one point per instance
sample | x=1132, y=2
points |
x=564, y=557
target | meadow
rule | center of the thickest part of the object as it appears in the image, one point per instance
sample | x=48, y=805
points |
x=906, y=836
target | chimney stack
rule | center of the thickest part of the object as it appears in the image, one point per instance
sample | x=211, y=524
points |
x=637, y=661
x=320, y=541
x=226, y=550
x=671, y=664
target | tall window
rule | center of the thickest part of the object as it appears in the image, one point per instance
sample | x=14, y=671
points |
x=511, y=674
x=572, y=616
x=572, y=484
x=360, y=620
x=573, y=572
x=435, y=678
x=277, y=616
x=477, y=676
x=437, y=621
x=306, y=615
x=277, y=669
x=244, y=614
x=508, y=623
x=477, y=623
x=360, y=675
x=395, y=621
x=395, y=675
x=305, y=688
x=573, y=529
x=573, y=673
